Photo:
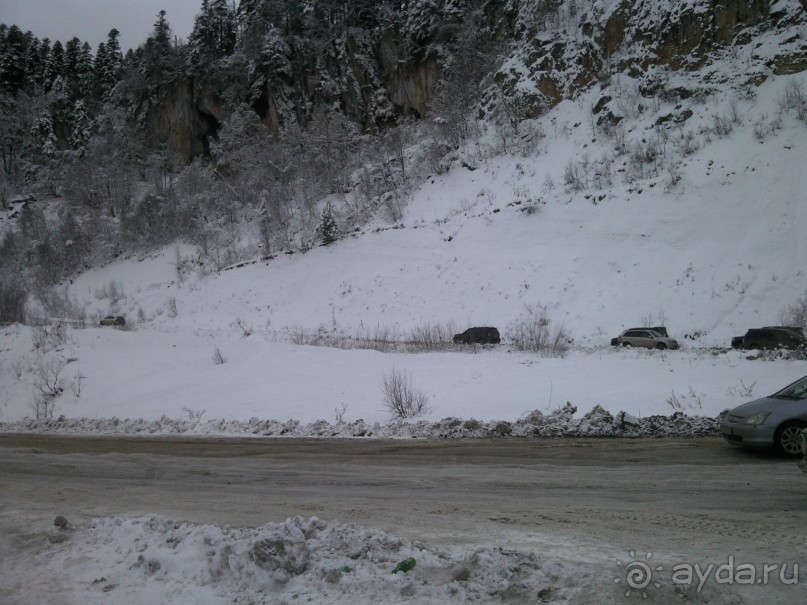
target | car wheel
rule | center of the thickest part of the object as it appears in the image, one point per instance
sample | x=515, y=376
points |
x=661, y=346
x=626, y=344
x=787, y=439
x=753, y=346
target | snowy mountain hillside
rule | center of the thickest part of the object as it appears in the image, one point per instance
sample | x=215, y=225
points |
x=653, y=188
x=288, y=219
x=502, y=238
x=715, y=250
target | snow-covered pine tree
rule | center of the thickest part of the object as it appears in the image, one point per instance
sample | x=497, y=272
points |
x=328, y=230
x=55, y=66
x=44, y=135
x=100, y=69
x=157, y=58
x=214, y=32
x=84, y=70
x=38, y=58
x=80, y=128
x=114, y=58
x=72, y=51
x=108, y=63
x=224, y=26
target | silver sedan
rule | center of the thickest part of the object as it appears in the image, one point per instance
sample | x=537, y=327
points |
x=774, y=421
x=645, y=337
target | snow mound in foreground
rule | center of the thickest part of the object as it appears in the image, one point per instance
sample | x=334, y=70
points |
x=152, y=559
x=155, y=560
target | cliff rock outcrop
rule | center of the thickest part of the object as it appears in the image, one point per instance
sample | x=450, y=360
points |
x=373, y=75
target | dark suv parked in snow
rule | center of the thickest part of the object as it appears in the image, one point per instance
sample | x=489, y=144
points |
x=113, y=320
x=771, y=337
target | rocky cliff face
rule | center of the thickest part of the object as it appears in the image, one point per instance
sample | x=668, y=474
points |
x=642, y=36
x=553, y=59
x=185, y=116
x=371, y=94
x=409, y=86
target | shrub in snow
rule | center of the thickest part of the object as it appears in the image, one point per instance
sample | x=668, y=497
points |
x=532, y=331
x=796, y=314
x=48, y=385
x=218, y=357
x=58, y=303
x=49, y=337
x=795, y=99
x=401, y=398
x=430, y=337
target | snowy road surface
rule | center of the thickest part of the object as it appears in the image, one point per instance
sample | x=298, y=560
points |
x=595, y=507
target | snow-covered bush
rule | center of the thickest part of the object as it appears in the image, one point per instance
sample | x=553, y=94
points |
x=795, y=99
x=532, y=331
x=48, y=337
x=401, y=398
x=218, y=357
x=58, y=303
x=795, y=314
x=431, y=337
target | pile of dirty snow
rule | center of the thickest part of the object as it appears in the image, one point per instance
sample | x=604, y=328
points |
x=559, y=423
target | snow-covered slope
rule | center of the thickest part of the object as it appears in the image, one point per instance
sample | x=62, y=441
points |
x=706, y=237
x=719, y=251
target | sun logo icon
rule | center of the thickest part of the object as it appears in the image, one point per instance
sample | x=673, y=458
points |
x=638, y=575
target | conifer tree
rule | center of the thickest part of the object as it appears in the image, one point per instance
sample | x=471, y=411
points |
x=55, y=66
x=328, y=230
x=72, y=51
x=38, y=58
x=114, y=56
x=224, y=27
x=44, y=135
x=214, y=32
x=200, y=38
x=275, y=54
x=84, y=71
x=161, y=34
x=108, y=63
x=156, y=58
x=80, y=130
x=14, y=59
x=99, y=69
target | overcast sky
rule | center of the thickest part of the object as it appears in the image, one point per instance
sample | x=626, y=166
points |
x=91, y=20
